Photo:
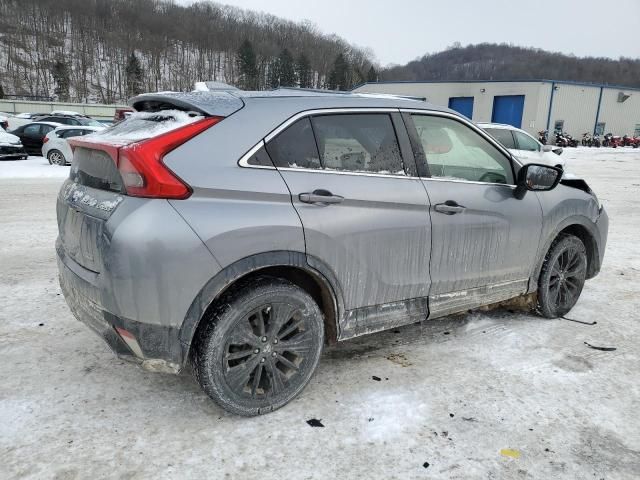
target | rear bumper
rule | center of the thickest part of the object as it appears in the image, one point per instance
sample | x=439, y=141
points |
x=159, y=346
x=602, y=225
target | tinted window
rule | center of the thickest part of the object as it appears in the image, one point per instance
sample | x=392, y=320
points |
x=96, y=169
x=295, y=147
x=260, y=158
x=525, y=142
x=455, y=151
x=70, y=133
x=44, y=129
x=503, y=135
x=32, y=130
x=358, y=143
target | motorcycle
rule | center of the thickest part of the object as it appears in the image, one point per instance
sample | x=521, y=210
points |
x=595, y=141
x=629, y=141
x=561, y=140
x=611, y=140
x=543, y=136
x=587, y=140
x=572, y=142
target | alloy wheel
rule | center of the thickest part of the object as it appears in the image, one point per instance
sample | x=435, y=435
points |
x=266, y=350
x=567, y=277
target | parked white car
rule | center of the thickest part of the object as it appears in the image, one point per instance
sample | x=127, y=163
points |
x=56, y=148
x=523, y=146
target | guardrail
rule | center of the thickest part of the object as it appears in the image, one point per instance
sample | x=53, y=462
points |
x=100, y=112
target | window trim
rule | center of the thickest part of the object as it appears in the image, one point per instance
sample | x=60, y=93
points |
x=243, y=162
x=513, y=161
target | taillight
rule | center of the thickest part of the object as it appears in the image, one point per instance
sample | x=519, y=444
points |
x=45, y=139
x=140, y=164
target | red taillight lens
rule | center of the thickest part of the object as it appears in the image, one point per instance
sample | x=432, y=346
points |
x=140, y=164
x=45, y=139
x=141, y=167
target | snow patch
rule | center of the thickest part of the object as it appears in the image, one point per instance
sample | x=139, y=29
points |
x=33, y=167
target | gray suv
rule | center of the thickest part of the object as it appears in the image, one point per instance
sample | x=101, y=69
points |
x=242, y=231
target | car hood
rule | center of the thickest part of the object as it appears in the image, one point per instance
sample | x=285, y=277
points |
x=8, y=139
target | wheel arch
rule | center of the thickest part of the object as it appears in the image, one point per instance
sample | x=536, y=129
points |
x=308, y=273
x=586, y=231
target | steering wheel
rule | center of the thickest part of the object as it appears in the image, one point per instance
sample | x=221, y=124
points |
x=492, y=177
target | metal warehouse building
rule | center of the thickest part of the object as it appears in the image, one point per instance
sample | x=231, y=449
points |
x=533, y=105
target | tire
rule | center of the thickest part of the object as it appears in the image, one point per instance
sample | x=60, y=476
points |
x=56, y=157
x=562, y=276
x=259, y=347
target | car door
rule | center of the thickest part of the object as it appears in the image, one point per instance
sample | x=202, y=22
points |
x=30, y=137
x=484, y=240
x=364, y=211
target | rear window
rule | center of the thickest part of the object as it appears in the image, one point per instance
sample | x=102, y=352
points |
x=142, y=125
x=503, y=135
x=95, y=169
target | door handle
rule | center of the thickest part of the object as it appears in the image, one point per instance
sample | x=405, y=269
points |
x=449, y=208
x=320, y=196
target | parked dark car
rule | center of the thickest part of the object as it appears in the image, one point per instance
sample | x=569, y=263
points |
x=11, y=147
x=244, y=231
x=32, y=135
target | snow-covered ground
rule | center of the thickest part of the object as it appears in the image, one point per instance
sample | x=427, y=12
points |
x=33, y=167
x=489, y=395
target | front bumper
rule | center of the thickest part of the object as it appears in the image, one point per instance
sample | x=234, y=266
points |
x=8, y=152
x=159, y=347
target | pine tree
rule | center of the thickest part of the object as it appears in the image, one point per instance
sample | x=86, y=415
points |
x=247, y=66
x=303, y=70
x=372, y=75
x=134, y=76
x=339, y=78
x=274, y=73
x=287, y=69
x=61, y=77
x=1, y=92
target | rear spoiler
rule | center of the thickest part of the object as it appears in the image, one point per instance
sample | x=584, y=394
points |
x=213, y=103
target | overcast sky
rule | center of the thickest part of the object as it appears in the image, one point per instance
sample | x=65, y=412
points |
x=401, y=30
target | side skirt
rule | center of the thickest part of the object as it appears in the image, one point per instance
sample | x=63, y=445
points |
x=376, y=318
x=455, y=302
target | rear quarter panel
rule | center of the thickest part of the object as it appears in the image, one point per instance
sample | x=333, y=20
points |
x=237, y=212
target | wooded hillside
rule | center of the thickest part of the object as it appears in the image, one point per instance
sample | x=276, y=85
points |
x=107, y=50
x=488, y=61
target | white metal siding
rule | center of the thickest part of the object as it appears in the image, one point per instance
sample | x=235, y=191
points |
x=620, y=118
x=577, y=106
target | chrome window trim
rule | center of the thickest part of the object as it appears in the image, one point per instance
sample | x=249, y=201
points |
x=244, y=160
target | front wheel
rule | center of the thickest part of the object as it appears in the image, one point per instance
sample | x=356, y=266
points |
x=562, y=276
x=260, y=346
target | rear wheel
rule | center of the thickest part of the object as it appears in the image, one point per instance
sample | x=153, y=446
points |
x=56, y=157
x=562, y=277
x=260, y=347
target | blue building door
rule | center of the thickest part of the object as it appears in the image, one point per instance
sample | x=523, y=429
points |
x=463, y=105
x=508, y=109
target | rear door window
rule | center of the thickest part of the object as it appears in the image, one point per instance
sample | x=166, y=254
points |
x=295, y=147
x=358, y=143
x=503, y=135
x=32, y=130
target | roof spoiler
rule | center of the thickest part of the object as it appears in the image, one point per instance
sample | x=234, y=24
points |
x=209, y=103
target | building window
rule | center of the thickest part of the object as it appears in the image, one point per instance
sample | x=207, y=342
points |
x=558, y=127
x=600, y=128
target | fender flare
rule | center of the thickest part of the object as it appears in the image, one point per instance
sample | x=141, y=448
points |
x=590, y=227
x=231, y=273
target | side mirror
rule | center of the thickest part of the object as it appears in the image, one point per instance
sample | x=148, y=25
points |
x=537, y=177
x=547, y=148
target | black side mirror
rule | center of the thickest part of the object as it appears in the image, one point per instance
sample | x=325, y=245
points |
x=537, y=177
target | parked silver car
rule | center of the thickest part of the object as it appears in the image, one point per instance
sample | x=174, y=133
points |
x=243, y=230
